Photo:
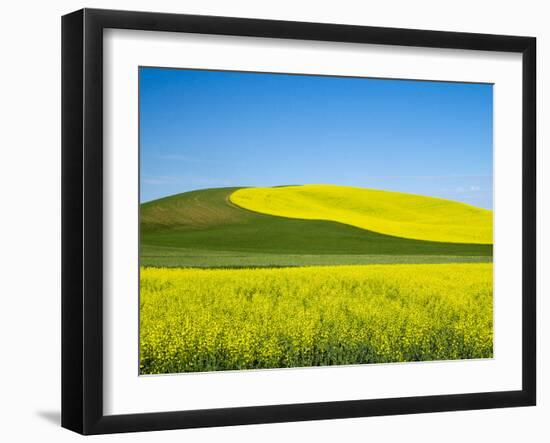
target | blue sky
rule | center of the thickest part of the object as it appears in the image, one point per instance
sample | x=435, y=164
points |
x=204, y=129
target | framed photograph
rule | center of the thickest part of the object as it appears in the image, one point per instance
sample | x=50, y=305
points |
x=268, y=221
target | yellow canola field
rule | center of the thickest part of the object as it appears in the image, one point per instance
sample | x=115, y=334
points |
x=230, y=319
x=392, y=213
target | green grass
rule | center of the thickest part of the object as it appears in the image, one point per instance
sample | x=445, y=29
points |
x=189, y=258
x=203, y=228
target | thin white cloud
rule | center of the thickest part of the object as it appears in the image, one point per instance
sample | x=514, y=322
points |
x=184, y=181
x=471, y=189
x=183, y=158
x=161, y=180
x=450, y=177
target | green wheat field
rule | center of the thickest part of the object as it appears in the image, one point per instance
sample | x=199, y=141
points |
x=312, y=275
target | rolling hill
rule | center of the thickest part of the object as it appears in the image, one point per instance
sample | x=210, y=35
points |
x=206, y=228
x=392, y=213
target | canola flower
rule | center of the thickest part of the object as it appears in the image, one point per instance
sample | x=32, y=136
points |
x=392, y=213
x=231, y=319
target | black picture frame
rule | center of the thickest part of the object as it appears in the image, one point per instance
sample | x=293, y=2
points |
x=82, y=218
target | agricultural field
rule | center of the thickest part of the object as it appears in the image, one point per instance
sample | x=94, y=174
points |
x=206, y=229
x=313, y=275
x=230, y=319
x=392, y=213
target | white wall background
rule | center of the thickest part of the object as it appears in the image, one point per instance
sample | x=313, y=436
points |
x=30, y=218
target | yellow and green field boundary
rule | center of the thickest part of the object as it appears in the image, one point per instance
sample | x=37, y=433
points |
x=209, y=228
